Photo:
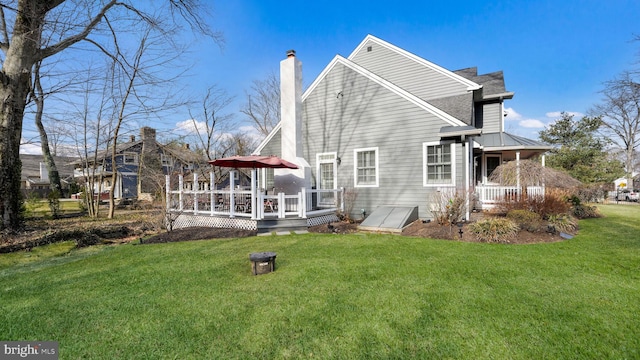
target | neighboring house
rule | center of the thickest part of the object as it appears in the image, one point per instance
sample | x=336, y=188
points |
x=392, y=128
x=35, y=177
x=140, y=165
x=623, y=182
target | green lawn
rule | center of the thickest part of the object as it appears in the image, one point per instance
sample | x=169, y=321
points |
x=337, y=296
x=41, y=207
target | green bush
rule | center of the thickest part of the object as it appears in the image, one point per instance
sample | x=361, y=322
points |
x=527, y=220
x=563, y=222
x=495, y=230
x=585, y=211
x=54, y=203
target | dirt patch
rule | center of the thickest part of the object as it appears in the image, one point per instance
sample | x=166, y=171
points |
x=197, y=233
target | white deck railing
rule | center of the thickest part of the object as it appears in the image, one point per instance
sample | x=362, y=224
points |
x=490, y=195
x=252, y=203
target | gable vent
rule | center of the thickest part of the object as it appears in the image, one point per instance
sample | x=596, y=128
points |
x=369, y=48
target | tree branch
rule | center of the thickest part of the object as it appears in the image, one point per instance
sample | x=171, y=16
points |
x=4, y=45
x=56, y=48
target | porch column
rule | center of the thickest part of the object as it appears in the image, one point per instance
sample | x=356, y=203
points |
x=232, y=185
x=167, y=184
x=254, y=193
x=212, y=195
x=467, y=168
x=543, y=165
x=195, y=188
x=518, y=174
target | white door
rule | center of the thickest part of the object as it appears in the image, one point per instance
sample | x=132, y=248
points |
x=327, y=178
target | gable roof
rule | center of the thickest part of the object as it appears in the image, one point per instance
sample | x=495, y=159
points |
x=471, y=85
x=384, y=83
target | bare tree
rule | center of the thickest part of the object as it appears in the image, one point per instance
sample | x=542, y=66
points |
x=620, y=111
x=22, y=48
x=37, y=94
x=237, y=143
x=212, y=123
x=263, y=103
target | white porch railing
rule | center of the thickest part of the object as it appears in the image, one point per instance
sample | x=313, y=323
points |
x=251, y=203
x=490, y=195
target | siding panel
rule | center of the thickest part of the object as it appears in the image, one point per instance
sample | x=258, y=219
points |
x=410, y=75
x=368, y=115
x=492, y=117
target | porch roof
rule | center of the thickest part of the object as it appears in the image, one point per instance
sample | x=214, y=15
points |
x=501, y=141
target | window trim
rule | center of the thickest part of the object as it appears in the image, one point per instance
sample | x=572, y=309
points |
x=355, y=167
x=425, y=182
x=333, y=161
x=485, y=174
x=132, y=154
x=166, y=160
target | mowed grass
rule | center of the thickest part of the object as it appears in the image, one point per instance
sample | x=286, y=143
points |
x=338, y=296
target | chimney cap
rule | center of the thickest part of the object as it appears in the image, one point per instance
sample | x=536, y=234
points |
x=291, y=53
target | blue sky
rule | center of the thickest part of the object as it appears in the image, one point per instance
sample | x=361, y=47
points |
x=555, y=54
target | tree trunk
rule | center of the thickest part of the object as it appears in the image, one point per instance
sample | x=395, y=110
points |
x=38, y=98
x=15, y=83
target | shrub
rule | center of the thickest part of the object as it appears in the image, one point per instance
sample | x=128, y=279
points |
x=54, y=203
x=495, y=230
x=563, y=222
x=555, y=201
x=449, y=208
x=585, y=211
x=527, y=220
x=591, y=193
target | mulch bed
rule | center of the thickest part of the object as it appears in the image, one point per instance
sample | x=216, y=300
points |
x=197, y=233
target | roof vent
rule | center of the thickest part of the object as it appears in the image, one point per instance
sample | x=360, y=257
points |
x=291, y=53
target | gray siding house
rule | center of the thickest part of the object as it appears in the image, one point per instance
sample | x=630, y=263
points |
x=395, y=129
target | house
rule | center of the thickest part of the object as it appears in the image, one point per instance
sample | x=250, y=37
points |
x=140, y=166
x=393, y=129
x=35, y=177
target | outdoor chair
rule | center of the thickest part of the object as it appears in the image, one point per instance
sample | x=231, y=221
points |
x=270, y=204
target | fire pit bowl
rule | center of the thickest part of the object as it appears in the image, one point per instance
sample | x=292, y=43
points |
x=262, y=262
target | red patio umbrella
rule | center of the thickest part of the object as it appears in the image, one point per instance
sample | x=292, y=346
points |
x=254, y=162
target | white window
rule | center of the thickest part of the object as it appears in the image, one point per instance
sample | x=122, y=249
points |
x=365, y=167
x=130, y=158
x=167, y=160
x=439, y=164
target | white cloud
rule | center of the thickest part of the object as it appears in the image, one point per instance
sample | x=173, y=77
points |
x=512, y=114
x=558, y=114
x=30, y=149
x=188, y=126
x=531, y=123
